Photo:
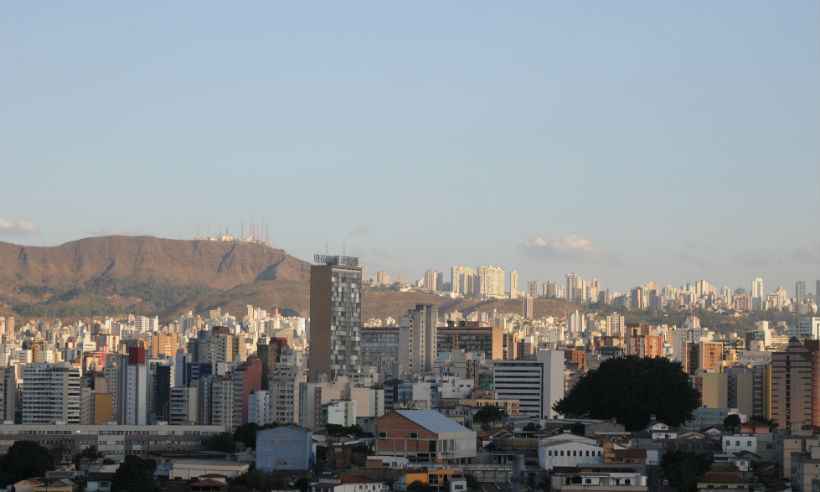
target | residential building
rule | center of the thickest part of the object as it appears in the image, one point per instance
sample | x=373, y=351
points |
x=51, y=394
x=335, y=317
x=259, y=408
x=491, y=280
x=285, y=448
x=418, y=340
x=592, y=479
x=791, y=388
x=470, y=337
x=537, y=384
x=424, y=436
x=569, y=450
x=184, y=406
x=380, y=349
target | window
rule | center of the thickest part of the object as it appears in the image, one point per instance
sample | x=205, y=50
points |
x=562, y=452
x=382, y=435
x=414, y=435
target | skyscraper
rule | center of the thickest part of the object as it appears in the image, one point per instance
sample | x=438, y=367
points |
x=335, y=316
x=572, y=283
x=514, y=284
x=418, y=340
x=791, y=389
x=133, y=390
x=536, y=384
x=800, y=291
x=431, y=280
x=491, y=280
x=758, y=294
x=463, y=281
x=51, y=393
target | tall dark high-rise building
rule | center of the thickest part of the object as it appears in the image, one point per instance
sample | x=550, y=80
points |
x=791, y=388
x=335, y=316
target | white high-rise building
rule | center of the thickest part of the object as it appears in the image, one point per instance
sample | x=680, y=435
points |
x=431, y=281
x=758, y=294
x=418, y=340
x=572, y=287
x=463, y=281
x=514, y=284
x=491, y=280
x=259, y=408
x=536, y=384
x=133, y=390
x=51, y=393
x=284, y=394
x=183, y=406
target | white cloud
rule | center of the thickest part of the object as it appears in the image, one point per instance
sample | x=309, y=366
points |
x=565, y=248
x=17, y=226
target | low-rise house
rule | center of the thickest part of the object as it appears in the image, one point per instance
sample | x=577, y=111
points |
x=424, y=436
x=569, y=450
x=660, y=431
x=594, y=479
x=739, y=442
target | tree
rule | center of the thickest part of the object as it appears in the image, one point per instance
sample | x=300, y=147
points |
x=24, y=459
x=683, y=469
x=631, y=390
x=489, y=414
x=246, y=434
x=731, y=423
x=88, y=454
x=222, y=442
x=578, y=429
x=135, y=475
x=419, y=487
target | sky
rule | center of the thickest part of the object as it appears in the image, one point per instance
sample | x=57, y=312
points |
x=629, y=141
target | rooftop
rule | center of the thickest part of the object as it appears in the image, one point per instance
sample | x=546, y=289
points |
x=432, y=421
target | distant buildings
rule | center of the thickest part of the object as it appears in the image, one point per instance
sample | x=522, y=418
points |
x=491, y=282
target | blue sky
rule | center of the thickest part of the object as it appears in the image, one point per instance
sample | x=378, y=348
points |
x=631, y=141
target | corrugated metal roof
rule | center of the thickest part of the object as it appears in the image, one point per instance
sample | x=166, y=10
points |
x=433, y=421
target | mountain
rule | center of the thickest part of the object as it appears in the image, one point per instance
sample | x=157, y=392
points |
x=117, y=274
x=149, y=275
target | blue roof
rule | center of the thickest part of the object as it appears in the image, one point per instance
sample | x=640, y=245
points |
x=433, y=421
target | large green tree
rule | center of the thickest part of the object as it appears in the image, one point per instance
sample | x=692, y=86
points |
x=24, y=459
x=631, y=390
x=684, y=469
x=135, y=475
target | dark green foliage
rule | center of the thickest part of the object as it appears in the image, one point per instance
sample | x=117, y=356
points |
x=631, y=390
x=88, y=454
x=731, y=423
x=578, y=429
x=246, y=434
x=419, y=487
x=222, y=442
x=683, y=469
x=340, y=430
x=489, y=414
x=25, y=459
x=135, y=475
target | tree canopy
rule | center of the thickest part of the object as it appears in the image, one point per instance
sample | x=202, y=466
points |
x=24, y=459
x=135, y=475
x=632, y=390
x=683, y=469
x=489, y=414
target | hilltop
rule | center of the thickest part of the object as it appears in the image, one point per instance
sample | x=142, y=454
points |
x=150, y=275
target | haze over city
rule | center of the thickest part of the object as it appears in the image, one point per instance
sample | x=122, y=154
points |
x=628, y=141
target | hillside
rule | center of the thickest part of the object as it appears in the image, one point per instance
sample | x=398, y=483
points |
x=149, y=275
x=116, y=274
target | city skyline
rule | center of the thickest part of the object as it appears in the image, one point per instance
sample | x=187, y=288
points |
x=622, y=142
